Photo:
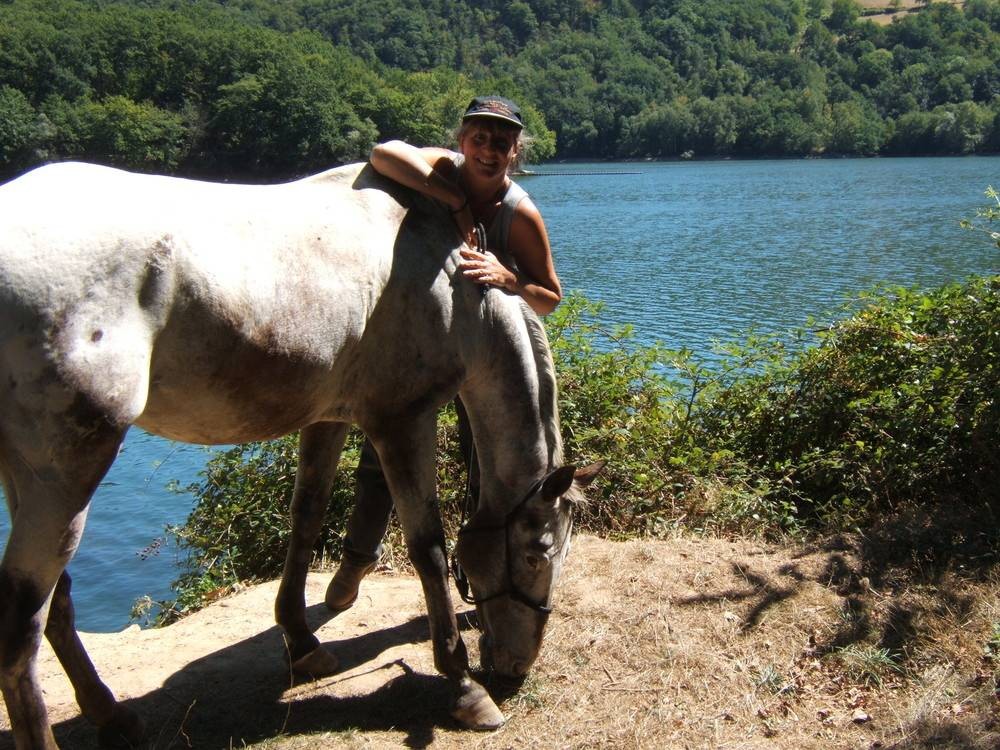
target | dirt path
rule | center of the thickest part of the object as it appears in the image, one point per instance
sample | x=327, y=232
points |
x=667, y=644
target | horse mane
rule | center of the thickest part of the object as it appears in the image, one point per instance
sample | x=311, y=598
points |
x=548, y=401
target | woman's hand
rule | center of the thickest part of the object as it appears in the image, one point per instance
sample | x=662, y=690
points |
x=486, y=268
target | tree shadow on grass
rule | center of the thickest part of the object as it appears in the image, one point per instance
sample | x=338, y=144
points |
x=891, y=577
x=924, y=735
x=875, y=571
x=237, y=695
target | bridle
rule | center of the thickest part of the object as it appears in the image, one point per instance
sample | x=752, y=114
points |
x=512, y=591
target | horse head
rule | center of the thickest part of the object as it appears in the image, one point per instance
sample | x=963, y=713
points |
x=513, y=563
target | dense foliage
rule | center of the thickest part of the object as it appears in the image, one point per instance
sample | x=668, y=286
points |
x=893, y=405
x=261, y=88
x=199, y=88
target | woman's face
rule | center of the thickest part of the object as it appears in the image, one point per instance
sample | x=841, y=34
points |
x=488, y=148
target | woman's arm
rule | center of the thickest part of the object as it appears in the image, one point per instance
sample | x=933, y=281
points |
x=430, y=171
x=536, y=280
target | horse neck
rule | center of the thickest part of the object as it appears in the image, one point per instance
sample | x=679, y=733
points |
x=510, y=396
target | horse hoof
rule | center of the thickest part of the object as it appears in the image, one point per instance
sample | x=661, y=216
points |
x=317, y=663
x=474, y=709
x=125, y=729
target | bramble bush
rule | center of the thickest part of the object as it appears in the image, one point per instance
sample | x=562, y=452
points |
x=894, y=404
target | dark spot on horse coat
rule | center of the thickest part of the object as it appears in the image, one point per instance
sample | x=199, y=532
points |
x=20, y=600
x=97, y=336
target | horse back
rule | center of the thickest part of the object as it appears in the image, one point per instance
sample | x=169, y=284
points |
x=205, y=312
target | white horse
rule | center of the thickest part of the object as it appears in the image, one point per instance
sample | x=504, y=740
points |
x=217, y=313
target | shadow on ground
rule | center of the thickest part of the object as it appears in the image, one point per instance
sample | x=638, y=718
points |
x=238, y=695
x=892, y=579
x=880, y=566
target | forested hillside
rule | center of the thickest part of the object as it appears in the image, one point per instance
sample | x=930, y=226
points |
x=272, y=88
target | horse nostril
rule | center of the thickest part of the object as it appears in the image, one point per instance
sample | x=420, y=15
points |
x=521, y=669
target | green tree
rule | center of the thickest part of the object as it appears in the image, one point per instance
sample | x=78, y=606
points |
x=24, y=133
x=875, y=67
x=912, y=133
x=290, y=108
x=962, y=128
x=522, y=21
x=596, y=75
x=843, y=14
x=659, y=130
x=856, y=129
x=139, y=136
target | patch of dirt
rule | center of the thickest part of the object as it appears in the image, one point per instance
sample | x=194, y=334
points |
x=684, y=643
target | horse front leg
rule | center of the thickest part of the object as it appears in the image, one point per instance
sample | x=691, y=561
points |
x=319, y=451
x=407, y=457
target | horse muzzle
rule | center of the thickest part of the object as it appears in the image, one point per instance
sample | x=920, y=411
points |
x=504, y=662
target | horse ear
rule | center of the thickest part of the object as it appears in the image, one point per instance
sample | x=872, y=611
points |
x=586, y=474
x=558, y=482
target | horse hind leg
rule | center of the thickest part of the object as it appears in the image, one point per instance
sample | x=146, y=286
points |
x=47, y=518
x=115, y=722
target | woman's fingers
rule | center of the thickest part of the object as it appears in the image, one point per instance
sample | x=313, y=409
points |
x=476, y=268
x=484, y=269
x=481, y=277
x=476, y=255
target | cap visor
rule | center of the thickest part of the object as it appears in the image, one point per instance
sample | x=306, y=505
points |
x=494, y=116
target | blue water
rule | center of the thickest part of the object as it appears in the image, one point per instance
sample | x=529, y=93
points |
x=688, y=252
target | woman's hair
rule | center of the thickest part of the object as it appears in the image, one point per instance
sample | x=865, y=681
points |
x=524, y=140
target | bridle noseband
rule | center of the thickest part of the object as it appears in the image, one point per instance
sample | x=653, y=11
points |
x=511, y=591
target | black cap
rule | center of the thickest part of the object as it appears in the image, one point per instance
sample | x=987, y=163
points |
x=495, y=107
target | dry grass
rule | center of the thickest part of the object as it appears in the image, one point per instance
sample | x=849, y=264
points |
x=898, y=10
x=683, y=643
x=748, y=648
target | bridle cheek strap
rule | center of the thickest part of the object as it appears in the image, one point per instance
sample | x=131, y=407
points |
x=511, y=591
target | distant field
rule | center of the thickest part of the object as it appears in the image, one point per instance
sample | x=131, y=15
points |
x=891, y=11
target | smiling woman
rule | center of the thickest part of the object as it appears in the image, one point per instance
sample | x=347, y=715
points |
x=508, y=248
x=475, y=184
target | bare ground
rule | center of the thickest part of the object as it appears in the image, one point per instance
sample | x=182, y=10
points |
x=684, y=643
x=890, y=12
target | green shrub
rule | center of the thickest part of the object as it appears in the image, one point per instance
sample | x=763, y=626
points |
x=894, y=404
x=986, y=216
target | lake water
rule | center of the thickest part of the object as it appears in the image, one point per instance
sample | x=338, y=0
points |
x=688, y=252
